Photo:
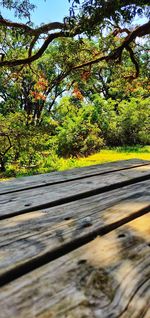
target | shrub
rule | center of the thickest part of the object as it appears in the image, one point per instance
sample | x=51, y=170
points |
x=134, y=117
x=77, y=134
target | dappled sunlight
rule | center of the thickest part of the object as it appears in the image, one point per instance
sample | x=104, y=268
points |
x=107, y=277
x=117, y=266
x=105, y=250
x=120, y=210
x=28, y=216
x=141, y=226
x=22, y=217
x=102, y=251
x=142, y=168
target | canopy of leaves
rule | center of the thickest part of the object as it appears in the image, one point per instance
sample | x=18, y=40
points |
x=87, y=18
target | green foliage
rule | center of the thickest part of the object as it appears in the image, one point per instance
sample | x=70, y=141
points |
x=101, y=105
x=52, y=162
x=95, y=13
x=106, y=118
x=28, y=142
x=77, y=134
x=22, y=43
x=5, y=143
x=75, y=128
x=134, y=117
x=123, y=123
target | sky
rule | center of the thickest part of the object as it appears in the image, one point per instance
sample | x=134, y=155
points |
x=50, y=10
x=46, y=11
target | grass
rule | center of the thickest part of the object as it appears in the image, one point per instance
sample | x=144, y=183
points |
x=53, y=163
x=109, y=155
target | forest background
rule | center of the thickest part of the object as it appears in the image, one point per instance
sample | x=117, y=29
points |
x=79, y=97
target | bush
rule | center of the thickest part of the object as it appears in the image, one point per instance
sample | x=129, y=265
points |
x=28, y=142
x=106, y=118
x=123, y=123
x=134, y=121
x=77, y=134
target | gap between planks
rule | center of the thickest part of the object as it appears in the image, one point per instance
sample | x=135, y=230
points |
x=64, y=249
x=73, y=191
x=123, y=207
x=108, y=277
x=128, y=164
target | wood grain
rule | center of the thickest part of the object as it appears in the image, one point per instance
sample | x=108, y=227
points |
x=109, y=277
x=63, y=176
x=27, y=241
x=25, y=201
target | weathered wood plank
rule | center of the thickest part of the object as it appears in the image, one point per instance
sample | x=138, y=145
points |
x=32, y=239
x=24, y=201
x=64, y=176
x=109, y=277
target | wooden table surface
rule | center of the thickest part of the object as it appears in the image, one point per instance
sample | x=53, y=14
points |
x=76, y=244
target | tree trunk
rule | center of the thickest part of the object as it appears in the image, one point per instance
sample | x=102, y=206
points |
x=2, y=165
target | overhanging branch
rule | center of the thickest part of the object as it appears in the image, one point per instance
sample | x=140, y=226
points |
x=37, y=55
x=30, y=31
x=117, y=53
x=129, y=49
x=114, y=55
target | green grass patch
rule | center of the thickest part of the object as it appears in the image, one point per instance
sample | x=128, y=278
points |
x=109, y=155
x=54, y=163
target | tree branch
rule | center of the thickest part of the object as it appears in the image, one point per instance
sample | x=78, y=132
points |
x=33, y=42
x=9, y=141
x=37, y=55
x=30, y=31
x=116, y=54
x=128, y=48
